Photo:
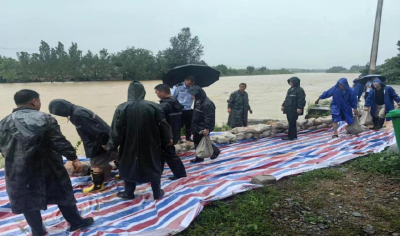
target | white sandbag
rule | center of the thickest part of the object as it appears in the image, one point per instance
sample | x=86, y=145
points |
x=302, y=122
x=204, y=149
x=318, y=122
x=322, y=126
x=312, y=128
x=355, y=128
x=366, y=118
x=240, y=136
x=310, y=122
x=248, y=136
x=222, y=139
x=84, y=171
x=178, y=148
x=266, y=134
x=261, y=128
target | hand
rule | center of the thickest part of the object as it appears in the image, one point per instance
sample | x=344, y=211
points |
x=355, y=112
x=171, y=142
x=251, y=111
x=229, y=110
x=206, y=132
x=299, y=111
x=317, y=101
x=367, y=108
x=282, y=109
x=77, y=165
x=105, y=147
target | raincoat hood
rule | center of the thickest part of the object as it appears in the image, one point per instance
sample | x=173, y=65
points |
x=377, y=80
x=136, y=91
x=197, y=92
x=295, y=81
x=61, y=107
x=343, y=81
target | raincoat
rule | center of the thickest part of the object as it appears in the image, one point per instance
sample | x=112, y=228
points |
x=93, y=131
x=239, y=104
x=173, y=114
x=342, y=101
x=358, y=88
x=204, y=111
x=295, y=98
x=390, y=95
x=137, y=129
x=33, y=145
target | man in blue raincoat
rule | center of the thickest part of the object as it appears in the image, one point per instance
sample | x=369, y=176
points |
x=344, y=99
x=358, y=88
x=380, y=101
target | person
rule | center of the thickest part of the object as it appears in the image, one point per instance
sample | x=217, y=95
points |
x=203, y=119
x=238, y=107
x=94, y=133
x=368, y=87
x=344, y=99
x=293, y=106
x=180, y=92
x=32, y=144
x=380, y=102
x=138, y=128
x=358, y=88
x=173, y=113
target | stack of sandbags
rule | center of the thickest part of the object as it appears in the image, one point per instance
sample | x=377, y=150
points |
x=262, y=131
x=184, y=147
x=225, y=137
x=243, y=132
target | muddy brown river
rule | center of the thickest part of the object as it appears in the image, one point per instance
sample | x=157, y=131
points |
x=266, y=93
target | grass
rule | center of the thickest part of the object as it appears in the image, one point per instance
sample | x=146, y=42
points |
x=260, y=211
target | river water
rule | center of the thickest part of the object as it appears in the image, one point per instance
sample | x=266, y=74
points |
x=266, y=93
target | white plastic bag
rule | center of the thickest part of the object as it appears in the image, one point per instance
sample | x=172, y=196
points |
x=366, y=118
x=204, y=149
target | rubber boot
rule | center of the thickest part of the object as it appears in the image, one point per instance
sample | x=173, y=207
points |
x=375, y=121
x=98, y=183
x=381, y=122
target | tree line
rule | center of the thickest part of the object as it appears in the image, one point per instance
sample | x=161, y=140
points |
x=58, y=64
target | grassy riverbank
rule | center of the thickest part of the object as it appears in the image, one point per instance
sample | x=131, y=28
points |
x=362, y=195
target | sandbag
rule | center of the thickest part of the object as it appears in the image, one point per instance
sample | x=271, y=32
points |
x=266, y=134
x=248, y=136
x=204, y=149
x=310, y=122
x=366, y=118
x=318, y=122
x=85, y=168
x=355, y=128
x=222, y=139
x=240, y=136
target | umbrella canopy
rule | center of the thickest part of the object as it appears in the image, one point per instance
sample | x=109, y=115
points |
x=364, y=80
x=205, y=75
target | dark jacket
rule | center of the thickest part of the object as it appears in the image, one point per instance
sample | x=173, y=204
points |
x=137, y=128
x=239, y=104
x=204, y=111
x=33, y=145
x=295, y=98
x=390, y=95
x=342, y=100
x=173, y=113
x=93, y=131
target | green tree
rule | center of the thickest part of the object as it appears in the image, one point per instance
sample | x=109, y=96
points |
x=74, y=62
x=222, y=68
x=136, y=64
x=263, y=70
x=250, y=69
x=336, y=69
x=9, y=69
x=184, y=49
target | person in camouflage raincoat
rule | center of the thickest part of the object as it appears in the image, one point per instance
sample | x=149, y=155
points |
x=238, y=107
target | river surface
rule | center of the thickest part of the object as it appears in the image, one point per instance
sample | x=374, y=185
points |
x=266, y=93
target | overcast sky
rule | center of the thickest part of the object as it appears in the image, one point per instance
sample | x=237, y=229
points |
x=274, y=33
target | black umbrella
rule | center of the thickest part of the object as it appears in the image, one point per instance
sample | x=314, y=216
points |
x=205, y=75
x=364, y=80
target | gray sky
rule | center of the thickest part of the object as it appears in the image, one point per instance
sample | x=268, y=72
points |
x=274, y=33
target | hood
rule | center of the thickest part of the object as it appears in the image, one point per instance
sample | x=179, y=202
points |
x=343, y=81
x=197, y=92
x=136, y=91
x=377, y=80
x=173, y=101
x=60, y=107
x=295, y=81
